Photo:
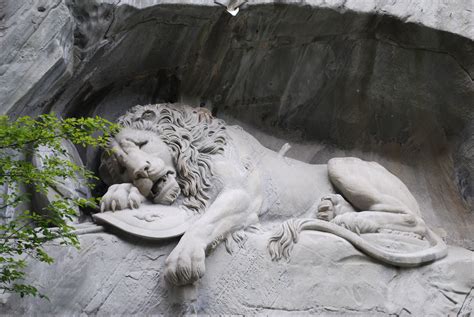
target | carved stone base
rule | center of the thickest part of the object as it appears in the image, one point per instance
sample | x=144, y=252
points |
x=113, y=276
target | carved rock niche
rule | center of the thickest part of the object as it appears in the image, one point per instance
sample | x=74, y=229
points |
x=385, y=81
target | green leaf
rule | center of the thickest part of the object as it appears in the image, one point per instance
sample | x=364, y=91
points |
x=28, y=233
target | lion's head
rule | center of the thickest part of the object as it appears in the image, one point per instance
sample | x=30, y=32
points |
x=162, y=145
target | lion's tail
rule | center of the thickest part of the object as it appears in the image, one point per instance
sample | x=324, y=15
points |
x=282, y=241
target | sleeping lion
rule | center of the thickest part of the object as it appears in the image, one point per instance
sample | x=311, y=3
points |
x=176, y=154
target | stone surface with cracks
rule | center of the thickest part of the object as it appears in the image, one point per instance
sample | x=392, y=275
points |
x=390, y=81
x=326, y=276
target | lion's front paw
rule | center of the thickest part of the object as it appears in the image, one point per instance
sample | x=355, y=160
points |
x=185, y=265
x=121, y=196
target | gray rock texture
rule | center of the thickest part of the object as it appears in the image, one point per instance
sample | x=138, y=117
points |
x=64, y=187
x=325, y=276
x=390, y=81
x=36, y=58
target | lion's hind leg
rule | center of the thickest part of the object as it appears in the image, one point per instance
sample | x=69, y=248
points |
x=376, y=221
x=383, y=200
x=384, y=203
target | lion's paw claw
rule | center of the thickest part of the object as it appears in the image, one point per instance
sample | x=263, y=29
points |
x=331, y=206
x=121, y=196
x=325, y=210
x=185, y=265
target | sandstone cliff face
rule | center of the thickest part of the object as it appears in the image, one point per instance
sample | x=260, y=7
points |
x=390, y=81
x=36, y=39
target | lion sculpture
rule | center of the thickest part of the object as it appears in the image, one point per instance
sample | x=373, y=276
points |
x=176, y=154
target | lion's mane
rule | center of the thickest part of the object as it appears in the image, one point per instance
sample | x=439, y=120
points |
x=193, y=137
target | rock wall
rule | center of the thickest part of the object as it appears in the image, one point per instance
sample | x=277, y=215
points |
x=390, y=81
x=36, y=59
x=325, y=276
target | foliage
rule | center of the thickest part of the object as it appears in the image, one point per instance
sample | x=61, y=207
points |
x=26, y=234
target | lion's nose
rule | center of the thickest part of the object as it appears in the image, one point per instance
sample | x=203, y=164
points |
x=142, y=170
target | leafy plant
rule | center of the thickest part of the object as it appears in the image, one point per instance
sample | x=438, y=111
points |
x=26, y=234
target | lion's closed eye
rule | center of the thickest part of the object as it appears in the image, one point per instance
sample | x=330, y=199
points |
x=129, y=141
x=141, y=144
